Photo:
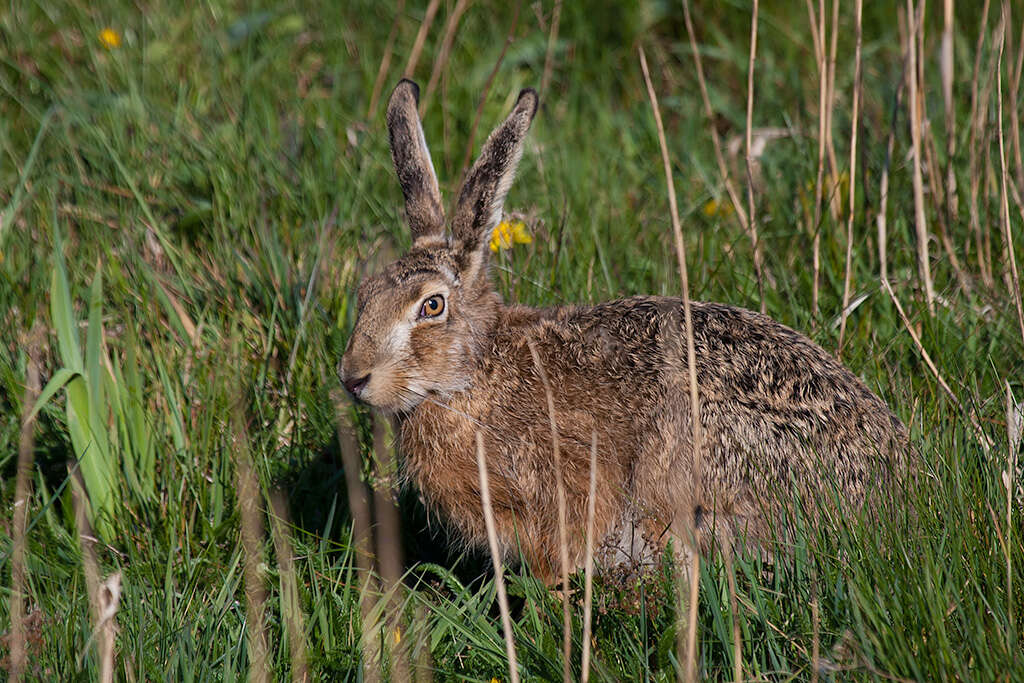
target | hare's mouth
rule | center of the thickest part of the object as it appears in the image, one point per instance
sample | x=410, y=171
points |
x=389, y=397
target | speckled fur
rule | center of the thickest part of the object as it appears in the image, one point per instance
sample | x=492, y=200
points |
x=779, y=415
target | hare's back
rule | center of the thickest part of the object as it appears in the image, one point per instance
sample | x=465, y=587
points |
x=781, y=411
x=776, y=406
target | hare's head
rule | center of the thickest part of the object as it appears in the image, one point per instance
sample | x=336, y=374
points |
x=423, y=320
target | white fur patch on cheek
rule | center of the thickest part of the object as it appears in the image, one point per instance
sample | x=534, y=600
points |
x=397, y=340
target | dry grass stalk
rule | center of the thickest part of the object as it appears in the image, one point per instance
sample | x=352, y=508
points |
x=1008, y=476
x=291, y=608
x=1004, y=202
x=920, y=221
x=549, y=57
x=815, y=631
x=499, y=572
x=362, y=538
x=858, y=35
x=104, y=596
x=563, y=533
x=985, y=442
x=977, y=126
x=730, y=188
x=755, y=243
x=817, y=21
x=388, y=546
x=450, y=27
x=22, y=496
x=830, y=105
x=385, y=62
x=467, y=157
x=883, y=188
x=1015, y=113
x=588, y=567
x=249, y=496
x=691, y=361
x=421, y=37
x=946, y=70
x=734, y=608
x=943, y=195
x=940, y=199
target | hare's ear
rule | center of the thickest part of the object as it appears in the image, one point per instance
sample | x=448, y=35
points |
x=483, y=193
x=413, y=166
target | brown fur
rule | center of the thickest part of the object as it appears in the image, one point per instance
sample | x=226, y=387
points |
x=779, y=414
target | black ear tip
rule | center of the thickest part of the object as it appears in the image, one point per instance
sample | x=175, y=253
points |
x=528, y=97
x=411, y=86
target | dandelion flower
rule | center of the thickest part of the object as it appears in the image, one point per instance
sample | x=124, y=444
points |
x=509, y=233
x=715, y=208
x=110, y=38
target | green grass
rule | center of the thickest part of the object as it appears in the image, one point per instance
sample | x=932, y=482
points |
x=194, y=181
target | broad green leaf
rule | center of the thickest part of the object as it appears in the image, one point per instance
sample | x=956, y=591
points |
x=63, y=316
x=56, y=383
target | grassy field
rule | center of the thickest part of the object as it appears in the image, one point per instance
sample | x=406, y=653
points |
x=188, y=200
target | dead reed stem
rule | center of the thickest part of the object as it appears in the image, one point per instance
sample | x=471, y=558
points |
x=421, y=37
x=470, y=144
x=723, y=170
x=1015, y=113
x=249, y=496
x=755, y=243
x=1009, y=475
x=362, y=538
x=1004, y=202
x=941, y=191
x=385, y=62
x=858, y=31
x=734, y=608
x=104, y=596
x=830, y=105
x=946, y=69
x=817, y=21
x=563, y=534
x=815, y=630
x=941, y=216
x=588, y=567
x=450, y=27
x=691, y=362
x=985, y=442
x=549, y=56
x=920, y=221
x=499, y=572
x=22, y=498
x=977, y=125
x=883, y=188
x=291, y=608
x=388, y=545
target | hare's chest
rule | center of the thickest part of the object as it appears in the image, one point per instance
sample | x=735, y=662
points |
x=438, y=446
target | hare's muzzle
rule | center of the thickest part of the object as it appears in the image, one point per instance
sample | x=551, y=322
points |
x=355, y=385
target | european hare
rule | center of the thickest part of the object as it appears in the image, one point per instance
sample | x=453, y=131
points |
x=435, y=345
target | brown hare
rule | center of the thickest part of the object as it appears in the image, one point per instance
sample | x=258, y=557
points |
x=435, y=346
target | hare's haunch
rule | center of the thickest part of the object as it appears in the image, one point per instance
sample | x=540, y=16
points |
x=434, y=345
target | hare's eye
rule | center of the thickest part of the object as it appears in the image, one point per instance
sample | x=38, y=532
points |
x=432, y=307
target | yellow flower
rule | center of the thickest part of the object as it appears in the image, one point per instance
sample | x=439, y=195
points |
x=506, y=234
x=110, y=38
x=715, y=208
x=398, y=636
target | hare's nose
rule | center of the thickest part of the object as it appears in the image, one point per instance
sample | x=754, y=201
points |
x=356, y=385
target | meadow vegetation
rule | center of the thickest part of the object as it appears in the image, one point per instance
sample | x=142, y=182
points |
x=189, y=197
